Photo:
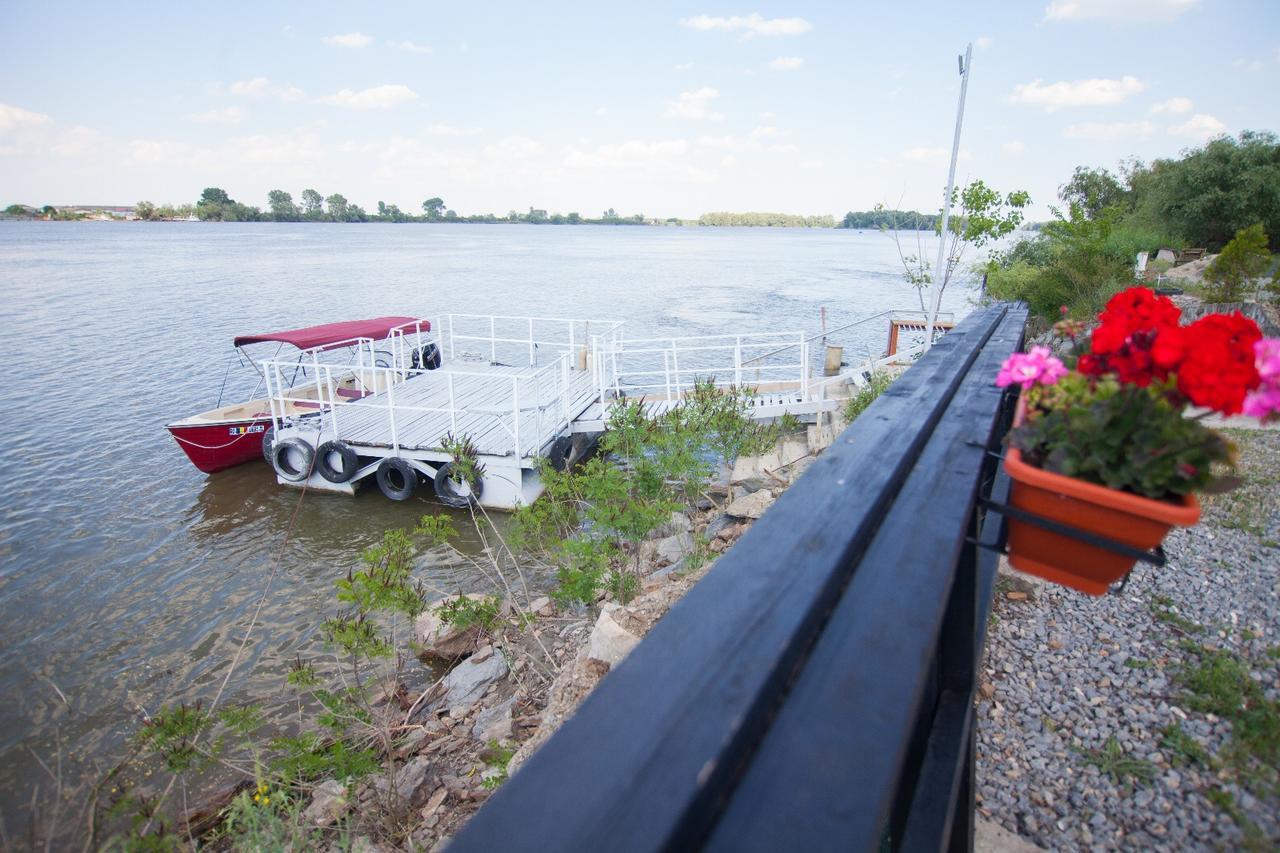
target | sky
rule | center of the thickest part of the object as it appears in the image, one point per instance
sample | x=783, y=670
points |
x=665, y=109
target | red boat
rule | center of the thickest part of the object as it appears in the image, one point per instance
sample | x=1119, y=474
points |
x=229, y=435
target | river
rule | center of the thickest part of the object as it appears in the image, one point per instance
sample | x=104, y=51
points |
x=127, y=577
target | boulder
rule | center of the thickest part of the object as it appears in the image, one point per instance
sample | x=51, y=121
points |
x=439, y=639
x=328, y=803
x=758, y=472
x=751, y=506
x=414, y=782
x=467, y=682
x=542, y=606
x=673, y=548
x=610, y=642
x=494, y=723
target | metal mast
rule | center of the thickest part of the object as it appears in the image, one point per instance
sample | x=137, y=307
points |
x=939, y=270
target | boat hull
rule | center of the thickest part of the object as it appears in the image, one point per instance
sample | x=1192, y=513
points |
x=214, y=447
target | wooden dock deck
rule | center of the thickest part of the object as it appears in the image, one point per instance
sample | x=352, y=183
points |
x=463, y=399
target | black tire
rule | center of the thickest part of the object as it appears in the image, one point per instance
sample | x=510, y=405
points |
x=397, y=479
x=425, y=358
x=268, y=439
x=560, y=454
x=294, y=468
x=348, y=461
x=448, y=492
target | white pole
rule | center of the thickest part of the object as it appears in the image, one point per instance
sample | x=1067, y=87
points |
x=938, y=271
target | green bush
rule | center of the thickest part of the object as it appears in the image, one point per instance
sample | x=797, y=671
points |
x=1245, y=258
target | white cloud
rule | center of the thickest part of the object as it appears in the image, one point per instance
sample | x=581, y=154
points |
x=451, y=130
x=514, y=148
x=283, y=149
x=227, y=115
x=983, y=42
x=12, y=117
x=261, y=87
x=749, y=25
x=752, y=142
x=810, y=164
x=410, y=47
x=766, y=131
x=1199, y=127
x=768, y=116
x=1248, y=64
x=1105, y=132
x=1076, y=93
x=79, y=141
x=1014, y=146
x=375, y=98
x=662, y=159
x=601, y=111
x=1116, y=10
x=728, y=161
x=695, y=105
x=936, y=156
x=1173, y=106
x=684, y=66
x=786, y=63
x=349, y=40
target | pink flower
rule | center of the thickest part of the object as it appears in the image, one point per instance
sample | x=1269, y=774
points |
x=1263, y=404
x=1026, y=369
x=1267, y=354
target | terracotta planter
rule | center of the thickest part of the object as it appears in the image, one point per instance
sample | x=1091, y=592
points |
x=1120, y=516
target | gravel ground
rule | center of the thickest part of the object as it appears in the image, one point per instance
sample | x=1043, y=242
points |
x=1093, y=728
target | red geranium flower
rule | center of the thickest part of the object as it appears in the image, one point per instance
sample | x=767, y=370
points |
x=1218, y=369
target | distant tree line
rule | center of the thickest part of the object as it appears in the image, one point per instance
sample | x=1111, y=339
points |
x=897, y=220
x=215, y=205
x=766, y=220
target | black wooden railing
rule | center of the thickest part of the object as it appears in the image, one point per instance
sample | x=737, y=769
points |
x=815, y=690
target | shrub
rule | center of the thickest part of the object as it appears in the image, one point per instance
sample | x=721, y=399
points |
x=1245, y=258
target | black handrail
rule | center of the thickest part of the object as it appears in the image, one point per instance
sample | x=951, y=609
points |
x=814, y=690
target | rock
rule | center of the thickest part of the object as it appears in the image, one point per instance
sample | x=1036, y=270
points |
x=720, y=522
x=799, y=467
x=679, y=524
x=494, y=723
x=673, y=548
x=413, y=781
x=328, y=802
x=542, y=606
x=439, y=639
x=751, y=506
x=1014, y=581
x=610, y=642
x=661, y=576
x=732, y=532
x=1014, y=595
x=434, y=801
x=467, y=682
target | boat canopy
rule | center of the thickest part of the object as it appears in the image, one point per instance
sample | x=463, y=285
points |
x=334, y=334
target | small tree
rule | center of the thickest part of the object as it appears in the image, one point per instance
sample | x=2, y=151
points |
x=984, y=216
x=433, y=207
x=145, y=210
x=1243, y=259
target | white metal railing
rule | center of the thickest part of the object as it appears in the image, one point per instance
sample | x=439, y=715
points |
x=521, y=339
x=667, y=367
x=530, y=409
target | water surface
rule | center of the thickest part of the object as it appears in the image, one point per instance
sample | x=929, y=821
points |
x=127, y=577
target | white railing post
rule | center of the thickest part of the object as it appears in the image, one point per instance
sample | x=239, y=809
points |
x=564, y=381
x=666, y=372
x=452, y=350
x=675, y=367
x=737, y=362
x=532, y=361
x=333, y=402
x=572, y=323
x=391, y=415
x=493, y=339
x=515, y=411
x=453, y=413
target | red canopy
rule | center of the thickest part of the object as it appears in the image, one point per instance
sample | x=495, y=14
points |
x=333, y=334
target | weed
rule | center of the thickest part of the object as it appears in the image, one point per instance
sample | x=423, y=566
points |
x=1162, y=611
x=1182, y=748
x=1112, y=760
x=1138, y=663
x=867, y=394
x=464, y=612
x=496, y=757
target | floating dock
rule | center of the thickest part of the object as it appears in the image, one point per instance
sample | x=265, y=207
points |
x=520, y=390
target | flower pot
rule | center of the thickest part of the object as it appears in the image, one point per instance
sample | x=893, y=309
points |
x=1123, y=517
